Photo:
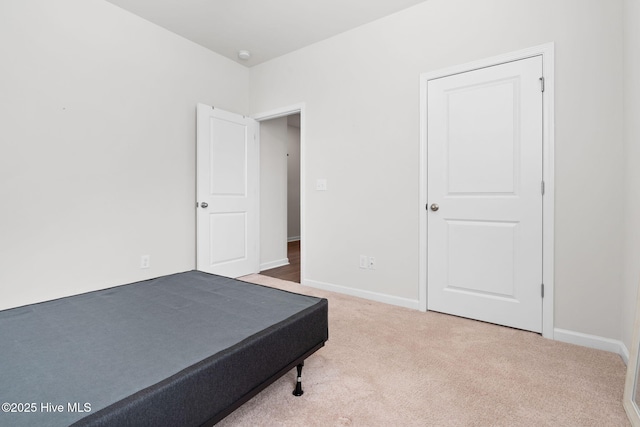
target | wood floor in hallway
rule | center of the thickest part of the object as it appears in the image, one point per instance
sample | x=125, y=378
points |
x=289, y=272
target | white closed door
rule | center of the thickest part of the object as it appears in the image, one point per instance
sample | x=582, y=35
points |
x=227, y=193
x=485, y=194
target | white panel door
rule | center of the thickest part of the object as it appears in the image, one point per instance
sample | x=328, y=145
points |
x=227, y=193
x=484, y=218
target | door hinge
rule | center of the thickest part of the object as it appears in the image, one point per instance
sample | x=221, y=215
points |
x=542, y=187
x=542, y=290
x=542, y=84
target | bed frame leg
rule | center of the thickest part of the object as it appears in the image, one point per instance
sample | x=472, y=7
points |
x=298, y=391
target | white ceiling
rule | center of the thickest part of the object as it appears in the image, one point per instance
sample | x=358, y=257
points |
x=266, y=28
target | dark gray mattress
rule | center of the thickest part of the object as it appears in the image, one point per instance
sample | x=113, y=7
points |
x=178, y=350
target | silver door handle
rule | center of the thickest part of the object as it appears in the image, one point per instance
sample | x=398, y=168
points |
x=434, y=207
x=204, y=205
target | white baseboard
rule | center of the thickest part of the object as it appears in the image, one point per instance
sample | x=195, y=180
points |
x=293, y=239
x=624, y=353
x=274, y=264
x=592, y=341
x=563, y=335
x=374, y=296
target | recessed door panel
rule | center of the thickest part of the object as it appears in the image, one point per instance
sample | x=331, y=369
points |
x=481, y=257
x=228, y=237
x=228, y=157
x=482, y=118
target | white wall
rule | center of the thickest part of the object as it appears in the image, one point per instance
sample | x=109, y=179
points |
x=293, y=183
x=97, y=146
x=361, y=91
x=273, y=193
x=632, y=155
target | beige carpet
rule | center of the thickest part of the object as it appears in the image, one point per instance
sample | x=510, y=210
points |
x=388, y=366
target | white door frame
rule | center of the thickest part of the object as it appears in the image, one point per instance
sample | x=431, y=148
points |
x=282, y=112
x=547, y=52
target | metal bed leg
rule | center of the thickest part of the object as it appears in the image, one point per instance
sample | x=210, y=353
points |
x=298, y=391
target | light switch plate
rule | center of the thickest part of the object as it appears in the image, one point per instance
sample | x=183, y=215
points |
x=364, y=261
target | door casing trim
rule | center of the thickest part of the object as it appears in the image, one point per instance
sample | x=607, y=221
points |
x=547, y=51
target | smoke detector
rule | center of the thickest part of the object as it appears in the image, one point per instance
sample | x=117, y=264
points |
x=244, y=54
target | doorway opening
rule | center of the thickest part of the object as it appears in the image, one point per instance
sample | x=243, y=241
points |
x=280, y=197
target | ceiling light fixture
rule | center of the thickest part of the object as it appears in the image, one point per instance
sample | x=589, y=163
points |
x=244, y=54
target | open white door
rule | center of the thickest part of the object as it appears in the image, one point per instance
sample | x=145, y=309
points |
x=484, y=222
x=227, y=193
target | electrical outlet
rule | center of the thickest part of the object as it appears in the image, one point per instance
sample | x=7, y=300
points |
x=145, y=261
x=363, y=261
x=321, y=184
x=372, y=263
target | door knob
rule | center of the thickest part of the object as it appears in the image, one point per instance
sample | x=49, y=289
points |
x=204, y=205
x=434, y=207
